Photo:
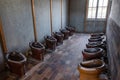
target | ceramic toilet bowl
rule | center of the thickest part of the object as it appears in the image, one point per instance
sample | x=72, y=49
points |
x=97, y=34
x=59, y=36
x=90, y=70
x=92, y=53
x=50, y=42
x=65, y=32
x=16, y=62
x=94, y=44
x=71, y=29
x=95, y=39
x=38, y=50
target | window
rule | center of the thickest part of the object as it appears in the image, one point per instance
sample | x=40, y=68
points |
x=97, y=9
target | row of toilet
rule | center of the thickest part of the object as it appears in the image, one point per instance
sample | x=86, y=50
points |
x=93, y=58
x=16, y=61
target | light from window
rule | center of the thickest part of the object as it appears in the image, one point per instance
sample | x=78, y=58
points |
x=97, y=9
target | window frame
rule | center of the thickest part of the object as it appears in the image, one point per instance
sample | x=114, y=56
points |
x=97, y=19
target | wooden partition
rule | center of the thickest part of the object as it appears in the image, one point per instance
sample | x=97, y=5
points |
x=51, y=25
x=2, y=38
x=61, y=13
x=34, y=19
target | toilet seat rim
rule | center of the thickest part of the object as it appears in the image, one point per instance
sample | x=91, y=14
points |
x=18, y=62
x=84, y=68
x=100, y=51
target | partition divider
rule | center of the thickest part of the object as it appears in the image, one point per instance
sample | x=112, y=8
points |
x=51, y=25
x=2, y=37
x=34, y=19
x=61, y=13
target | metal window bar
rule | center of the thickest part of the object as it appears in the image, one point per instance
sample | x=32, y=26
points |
x=96, y=8
x=96, y=13
x=88, y=8
x=102, y=9
x=92, y=8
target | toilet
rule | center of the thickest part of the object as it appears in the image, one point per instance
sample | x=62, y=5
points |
x=65, y=32
x=104, y=45
x=71, y=29
x=59, y=36
x=50, y=42
x=97, y=34
x=16, y=63
x=94, y=44
x=93, y=39
x=92, y=53
x=38, y=50
x=90, y=70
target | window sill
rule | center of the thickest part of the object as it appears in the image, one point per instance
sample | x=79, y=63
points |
x=96, y=19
